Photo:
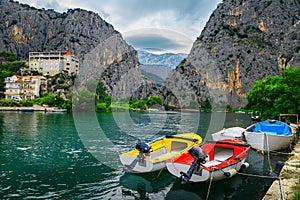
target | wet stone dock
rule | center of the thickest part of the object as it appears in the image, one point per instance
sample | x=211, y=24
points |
x=289, y=175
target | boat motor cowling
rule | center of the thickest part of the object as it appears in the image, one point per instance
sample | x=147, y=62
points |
x=198, y=154
x=200, y=157
x=143, y=147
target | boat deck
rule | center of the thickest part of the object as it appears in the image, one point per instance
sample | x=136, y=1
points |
x=221, y=154
x=162, y=153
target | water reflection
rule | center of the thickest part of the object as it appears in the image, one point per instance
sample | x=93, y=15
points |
x=146, y=186
x=149, y=186
x=42, y=156
x=180, y=194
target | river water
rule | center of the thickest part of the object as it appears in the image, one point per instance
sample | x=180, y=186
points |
x=75, y=156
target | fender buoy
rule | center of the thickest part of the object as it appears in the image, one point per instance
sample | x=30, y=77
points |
x=230, y=173
x=245, y=165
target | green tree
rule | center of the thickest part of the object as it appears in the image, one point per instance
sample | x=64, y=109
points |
x=84, y=100
x=138, y=104
x=108, y=100
x=48, y=99
x=101, y=91
x=276, y=94
x=7, y=57
x=206, y=106
x=154, y=100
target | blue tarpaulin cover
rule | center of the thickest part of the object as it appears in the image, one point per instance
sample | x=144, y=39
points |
x=272, y=127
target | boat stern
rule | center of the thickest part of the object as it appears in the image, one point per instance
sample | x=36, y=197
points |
x=141, y=166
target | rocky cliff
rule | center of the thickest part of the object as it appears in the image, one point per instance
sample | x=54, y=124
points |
x=25, y=29
x=243, y=41
x=102, y=51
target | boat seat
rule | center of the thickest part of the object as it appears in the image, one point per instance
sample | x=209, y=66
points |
x=158, y=153
x=178, y=146
x=212, y=163
x=222, y=154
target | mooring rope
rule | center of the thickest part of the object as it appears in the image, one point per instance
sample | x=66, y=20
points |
x=268, y=152
x=210, y=181
x=255, y=175
x=280, y=187
x=282, y=153
x=158, y=174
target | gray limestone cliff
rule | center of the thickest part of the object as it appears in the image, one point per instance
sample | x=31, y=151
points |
x=103, y=53
x=25, y=28
x=243, y=41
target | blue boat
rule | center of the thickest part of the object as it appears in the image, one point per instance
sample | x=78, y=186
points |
x=27, y=110
x=270, y=135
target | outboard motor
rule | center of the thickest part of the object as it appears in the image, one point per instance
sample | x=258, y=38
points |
x=143, y=147
x=199, y=156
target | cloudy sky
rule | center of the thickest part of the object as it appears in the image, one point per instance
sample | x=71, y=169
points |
x=165, y=25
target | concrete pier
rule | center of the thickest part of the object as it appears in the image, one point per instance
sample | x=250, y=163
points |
x=290, y=176
x=34, y=107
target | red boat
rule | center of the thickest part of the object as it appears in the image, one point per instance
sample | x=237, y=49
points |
x=214, y=160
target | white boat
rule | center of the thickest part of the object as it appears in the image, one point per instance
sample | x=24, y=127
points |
x=229, y=133
x=270, y=135
x=59, y=110
x=152, y=157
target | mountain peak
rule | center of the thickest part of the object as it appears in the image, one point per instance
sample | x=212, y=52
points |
x=166, y=59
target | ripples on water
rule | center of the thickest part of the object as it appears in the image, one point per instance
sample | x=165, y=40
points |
x=44, y=156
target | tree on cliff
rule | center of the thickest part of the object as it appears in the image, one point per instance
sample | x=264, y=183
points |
x=276, y=94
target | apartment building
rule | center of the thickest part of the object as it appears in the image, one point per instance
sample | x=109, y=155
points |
x=51, y=63
x=24, y=87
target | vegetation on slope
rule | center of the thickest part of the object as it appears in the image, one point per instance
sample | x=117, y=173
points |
x=9, y=65
x=274, y=95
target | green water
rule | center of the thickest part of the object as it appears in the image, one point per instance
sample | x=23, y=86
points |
x=75, y=156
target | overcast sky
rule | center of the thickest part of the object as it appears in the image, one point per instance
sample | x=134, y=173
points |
x=170, y=25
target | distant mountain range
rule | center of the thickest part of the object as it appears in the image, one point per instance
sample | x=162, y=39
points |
x=167, y=59
x=156, y=73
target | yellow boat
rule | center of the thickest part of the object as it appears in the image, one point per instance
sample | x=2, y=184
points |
x=153, y=156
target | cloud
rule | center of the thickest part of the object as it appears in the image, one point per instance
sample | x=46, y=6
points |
x=185, y=17
x=161, y=40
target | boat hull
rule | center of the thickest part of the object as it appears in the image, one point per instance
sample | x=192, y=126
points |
x=271, y=135
x=143, y=166
x=26, y=110
x=229, y=133
x=268, y=142
x=204, y=175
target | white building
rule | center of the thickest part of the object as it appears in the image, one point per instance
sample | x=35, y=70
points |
x=13, y=87
x=24, y=87
x=51, y=63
